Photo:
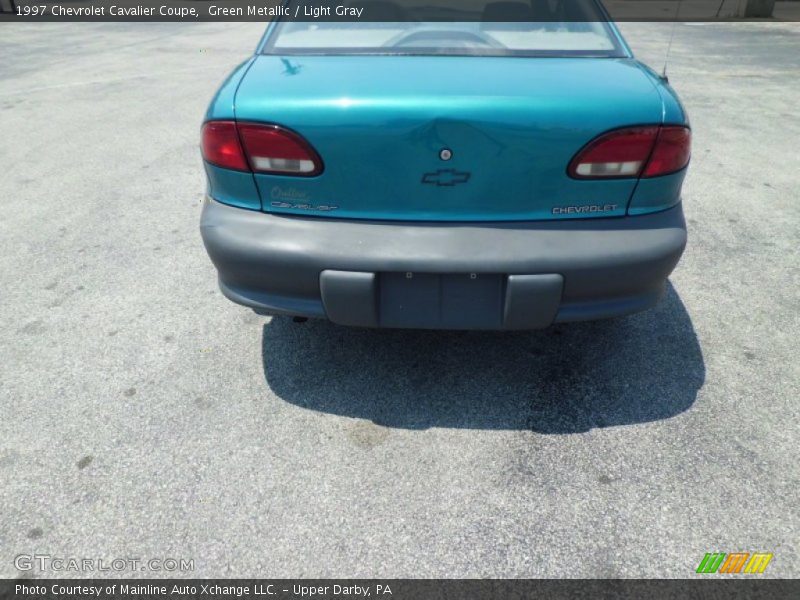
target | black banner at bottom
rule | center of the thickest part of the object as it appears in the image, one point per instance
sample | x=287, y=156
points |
x=392, y=589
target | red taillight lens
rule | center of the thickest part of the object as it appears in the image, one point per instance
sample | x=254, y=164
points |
x=260, y=148
x=221, y=147
x=647, y=151
x=620, y=153
x=273, y=149
x=672, y=151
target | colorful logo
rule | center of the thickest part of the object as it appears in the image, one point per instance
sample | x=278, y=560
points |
x=737, y=562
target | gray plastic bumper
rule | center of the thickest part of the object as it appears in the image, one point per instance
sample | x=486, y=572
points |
x=442, y=275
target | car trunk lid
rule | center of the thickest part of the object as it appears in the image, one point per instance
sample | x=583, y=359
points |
x=381, y=123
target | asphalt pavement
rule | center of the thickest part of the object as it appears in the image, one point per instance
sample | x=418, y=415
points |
x=143, y=415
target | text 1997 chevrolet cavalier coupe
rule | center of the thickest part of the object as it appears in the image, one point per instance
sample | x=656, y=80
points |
x=463, y=175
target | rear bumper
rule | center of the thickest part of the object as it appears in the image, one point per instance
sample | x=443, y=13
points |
x=442, y=275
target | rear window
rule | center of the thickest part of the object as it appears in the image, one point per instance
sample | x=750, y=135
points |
x=455, y=27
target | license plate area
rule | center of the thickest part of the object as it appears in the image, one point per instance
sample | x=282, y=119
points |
x=434, y=300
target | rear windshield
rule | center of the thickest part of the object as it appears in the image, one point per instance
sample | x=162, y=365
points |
x=482, y=31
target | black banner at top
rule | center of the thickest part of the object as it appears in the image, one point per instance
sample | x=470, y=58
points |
x=400, y=10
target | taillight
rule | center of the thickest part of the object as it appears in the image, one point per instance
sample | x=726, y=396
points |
x=672, y=151
x=648, y=151
x=260, y=148
x=221, y=147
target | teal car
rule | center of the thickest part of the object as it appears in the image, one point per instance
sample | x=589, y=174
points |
x=503, y=172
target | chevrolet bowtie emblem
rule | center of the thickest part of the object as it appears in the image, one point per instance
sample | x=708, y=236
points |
x=446, y=177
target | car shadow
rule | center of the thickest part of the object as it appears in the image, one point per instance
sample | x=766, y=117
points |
x=566, y=379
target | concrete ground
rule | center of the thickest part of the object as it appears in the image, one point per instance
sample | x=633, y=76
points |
x=143, y=415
